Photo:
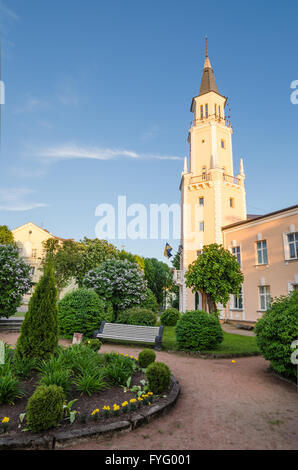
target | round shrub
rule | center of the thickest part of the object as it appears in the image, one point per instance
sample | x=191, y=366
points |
x=170, y=317
x=276, y=331
x=123, y=317
x=142, y=316
x=81, y=311
x=146, y=357
x=159, y=377
x=45, y=408
x=198, y=331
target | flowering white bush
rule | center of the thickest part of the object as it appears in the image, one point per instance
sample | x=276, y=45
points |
x=15, y=280
x=118, y=281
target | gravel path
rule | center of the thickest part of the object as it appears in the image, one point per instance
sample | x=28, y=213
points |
x=223, y=405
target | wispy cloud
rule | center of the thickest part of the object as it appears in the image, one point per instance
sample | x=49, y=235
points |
x=150, y=134
x=8, y=12
x=31, y=104
x=14, y=199
x=71, y=151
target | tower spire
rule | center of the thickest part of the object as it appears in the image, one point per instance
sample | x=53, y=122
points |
x=208, y=82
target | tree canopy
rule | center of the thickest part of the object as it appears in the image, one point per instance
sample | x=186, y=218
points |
x=159, y=277
x=215, y=273
x=6, y=236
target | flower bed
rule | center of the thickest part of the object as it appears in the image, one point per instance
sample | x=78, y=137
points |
x=120, y=400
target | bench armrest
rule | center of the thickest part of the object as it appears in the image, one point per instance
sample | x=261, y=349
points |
x=98, y=332
x=158, y=339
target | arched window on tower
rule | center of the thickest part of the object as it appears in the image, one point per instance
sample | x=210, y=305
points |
x=206, y=110
x=215, y=110
x=202, y=111
x=219, y=115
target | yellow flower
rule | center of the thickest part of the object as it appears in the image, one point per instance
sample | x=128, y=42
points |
x=125, y=403
x=133, y=400
x=116, y=407
x=149, y=393
x=234, y=362
x=95, y=411
x=107, y=408
x=5, y=420
x=140, y=399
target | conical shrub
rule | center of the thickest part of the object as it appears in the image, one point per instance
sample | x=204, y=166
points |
x=39, y=331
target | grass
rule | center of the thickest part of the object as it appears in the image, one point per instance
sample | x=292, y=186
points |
x=231, y=345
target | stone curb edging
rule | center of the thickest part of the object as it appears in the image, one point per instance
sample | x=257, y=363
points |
x=58, y=440
x=198, y=355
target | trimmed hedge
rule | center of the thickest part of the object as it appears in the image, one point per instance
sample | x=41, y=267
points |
x=159, y=377
x=198, y=331
x=170, y=317
x=45, y=408
x=146, y=357
x=276, y=331
x=137, y=316
x=82, y=311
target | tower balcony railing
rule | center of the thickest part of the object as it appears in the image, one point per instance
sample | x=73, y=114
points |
x=219, y=119
x=201, y=179
x=231, y=179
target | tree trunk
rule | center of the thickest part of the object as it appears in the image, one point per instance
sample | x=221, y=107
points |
x=211, y=305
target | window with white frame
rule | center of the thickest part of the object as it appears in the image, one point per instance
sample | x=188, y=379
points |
x=237, y=253
x=293, y=245
x=264, y=297
x=202, y=226
x=262, y=255
x=238, y=300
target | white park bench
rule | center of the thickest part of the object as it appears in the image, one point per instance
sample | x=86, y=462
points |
x=133, y=333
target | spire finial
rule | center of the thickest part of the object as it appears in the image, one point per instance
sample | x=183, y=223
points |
x=206, y=39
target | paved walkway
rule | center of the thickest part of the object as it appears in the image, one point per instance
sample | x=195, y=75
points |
x=236, y=331
x=223, y=405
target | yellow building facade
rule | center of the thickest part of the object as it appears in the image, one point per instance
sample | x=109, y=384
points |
x=213, y=210
x=29, y=239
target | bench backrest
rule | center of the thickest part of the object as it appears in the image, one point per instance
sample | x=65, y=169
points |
x=146, y=333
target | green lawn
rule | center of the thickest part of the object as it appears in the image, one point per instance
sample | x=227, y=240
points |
x=232, y=344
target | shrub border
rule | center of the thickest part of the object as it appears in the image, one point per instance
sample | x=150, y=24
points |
x=60, y=439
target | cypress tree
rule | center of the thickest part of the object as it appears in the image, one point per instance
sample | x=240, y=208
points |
x=39, y=330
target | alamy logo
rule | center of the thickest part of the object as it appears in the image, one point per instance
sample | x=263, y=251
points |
x=294, y=94
x=2, y=92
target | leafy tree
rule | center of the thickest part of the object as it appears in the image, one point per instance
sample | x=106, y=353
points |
x=39, y=330
x=159, y=277
x=6, y=236
x=15, y=280
x=132, y=258
x=93, y=253
x=65, y=257
x=73, y=260
x=217, y=274
x=120, y=282
x=150, y=301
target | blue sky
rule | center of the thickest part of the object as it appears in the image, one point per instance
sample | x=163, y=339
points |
x=98, y=101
